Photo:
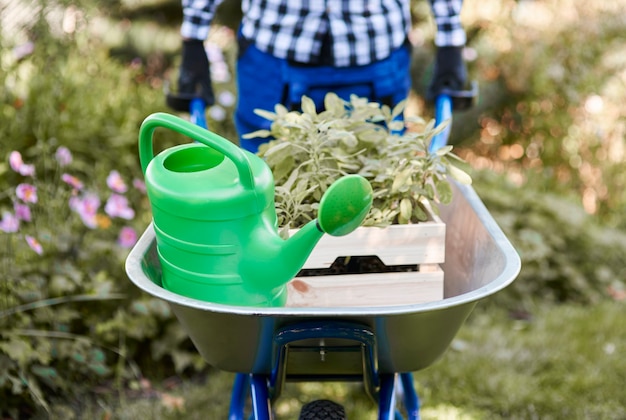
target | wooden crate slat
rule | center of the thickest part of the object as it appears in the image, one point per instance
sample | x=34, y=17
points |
x=421, y=244
x=372, y=289
x=394, y=245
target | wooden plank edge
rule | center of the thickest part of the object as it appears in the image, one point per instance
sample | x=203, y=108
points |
x=366, y=290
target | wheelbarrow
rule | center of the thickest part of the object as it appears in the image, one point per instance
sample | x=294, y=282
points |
x=378, y=346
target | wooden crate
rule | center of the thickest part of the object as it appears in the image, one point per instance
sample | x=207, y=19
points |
x=421, y=245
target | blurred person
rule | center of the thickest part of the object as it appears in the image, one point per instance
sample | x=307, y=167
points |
x=290, y=48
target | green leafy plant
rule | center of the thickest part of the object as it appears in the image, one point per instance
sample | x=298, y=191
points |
x=69, y=317
x=310, y=150
x=53, y=218
x=567, y=256
x=558, y=121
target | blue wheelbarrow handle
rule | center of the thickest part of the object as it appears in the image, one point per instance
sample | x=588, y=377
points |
x=447, y=101
x=185, y=102
x=197, y=109
x=443, y=112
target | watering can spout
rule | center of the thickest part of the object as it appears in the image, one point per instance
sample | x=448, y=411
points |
x=272, y=261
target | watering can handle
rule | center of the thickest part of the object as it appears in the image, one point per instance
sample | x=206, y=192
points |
x=195, y=132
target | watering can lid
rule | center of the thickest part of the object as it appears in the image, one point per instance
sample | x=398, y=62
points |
x=211, y=192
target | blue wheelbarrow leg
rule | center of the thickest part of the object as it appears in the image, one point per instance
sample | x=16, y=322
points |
x=411, y=400
x=257, y=385
x=238, y=396
x=260, y=397
x=387, y=397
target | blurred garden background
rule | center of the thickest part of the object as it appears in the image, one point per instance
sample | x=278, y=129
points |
x=545, y=145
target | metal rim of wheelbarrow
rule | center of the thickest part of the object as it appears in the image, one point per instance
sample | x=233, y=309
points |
x=512, y=266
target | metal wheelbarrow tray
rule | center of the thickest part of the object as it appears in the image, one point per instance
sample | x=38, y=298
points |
x=479, y=262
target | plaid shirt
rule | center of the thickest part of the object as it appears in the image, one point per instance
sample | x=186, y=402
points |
x=355, y=32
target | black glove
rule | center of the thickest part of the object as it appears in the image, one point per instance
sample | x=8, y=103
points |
x=195, y=77
x=449, y=72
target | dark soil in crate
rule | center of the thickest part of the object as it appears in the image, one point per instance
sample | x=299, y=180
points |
x=356, y=265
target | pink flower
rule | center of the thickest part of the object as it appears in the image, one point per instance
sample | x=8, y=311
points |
x=63, y=156
x=117, y=206
x=23, y=50
x=214, y=52
x=27, y=193
x=27, y=170
x=15, y=161
x=217, y=113
x=226, y=98
x=34, y=244
x=139, y=185
x=74, y=182
x=22, y=212
x=87, y=208
x=18, y=165
x=9, y=222
x=127, y=237
x=116, y=183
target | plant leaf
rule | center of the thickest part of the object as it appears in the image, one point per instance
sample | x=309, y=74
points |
x=396, y=126
x=280, y=109
x=460, y=175
x=308, y=106
x=443, y=150
x=406, y=208
x=401, y=180
x=258, y=133
x=420, y=214
x=268, y=115
x=275, y=147
x=444, y=191
x=398, y=109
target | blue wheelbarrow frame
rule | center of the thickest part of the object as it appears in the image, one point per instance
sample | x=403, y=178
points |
x=479, y=262
x=383, y=388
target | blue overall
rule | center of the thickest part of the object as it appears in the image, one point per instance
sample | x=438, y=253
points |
x=264, y=81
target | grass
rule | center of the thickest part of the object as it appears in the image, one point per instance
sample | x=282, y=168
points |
x=563, y=361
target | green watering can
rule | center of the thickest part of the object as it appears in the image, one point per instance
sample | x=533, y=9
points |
x=215, y=220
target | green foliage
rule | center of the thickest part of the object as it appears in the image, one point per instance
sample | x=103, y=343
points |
x=310, y=150
x=68, y=314
x=561, y=122
x=566, y=254
x=563, y=362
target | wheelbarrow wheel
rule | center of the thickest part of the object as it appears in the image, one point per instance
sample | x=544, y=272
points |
x=322, y=410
